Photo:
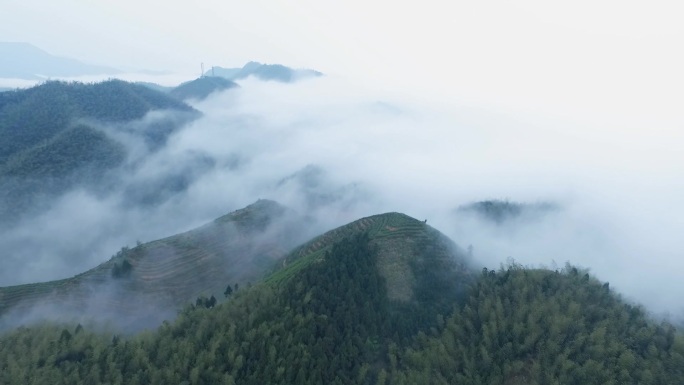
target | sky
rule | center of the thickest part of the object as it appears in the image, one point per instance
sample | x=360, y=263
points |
x=380, y=37
x=584, y=60
x=426, y=106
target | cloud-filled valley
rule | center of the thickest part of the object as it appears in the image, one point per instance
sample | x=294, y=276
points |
x=335, y=151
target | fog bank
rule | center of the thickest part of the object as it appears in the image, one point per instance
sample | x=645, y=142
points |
x=337, y=151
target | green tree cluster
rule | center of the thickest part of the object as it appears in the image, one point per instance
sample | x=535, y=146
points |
x=530, y=326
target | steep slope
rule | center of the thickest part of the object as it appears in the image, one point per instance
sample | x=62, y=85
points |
x=149, y=282
x=424, y=271
x=201, y=88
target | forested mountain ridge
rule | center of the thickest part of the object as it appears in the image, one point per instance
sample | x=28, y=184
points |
x=201, y=88
x=57, y=136
x=328, y=315
x=144, y=284
x=31, y=116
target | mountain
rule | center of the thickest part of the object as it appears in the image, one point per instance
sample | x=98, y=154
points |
x=242, y=247
x=383, y=300
x=155, y=86
x=143, y=285
x=201, y=88
x=60, y=135
x=25, y=61
x=261, y=71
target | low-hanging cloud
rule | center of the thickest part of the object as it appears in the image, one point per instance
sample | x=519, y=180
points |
x=337, y=152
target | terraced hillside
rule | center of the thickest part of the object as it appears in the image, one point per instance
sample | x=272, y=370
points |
x=149, y=282
x=421, y=267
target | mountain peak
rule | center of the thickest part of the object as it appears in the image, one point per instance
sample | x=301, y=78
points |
x=421, y=268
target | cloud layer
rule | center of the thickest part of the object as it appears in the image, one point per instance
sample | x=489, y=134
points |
x=338, y=151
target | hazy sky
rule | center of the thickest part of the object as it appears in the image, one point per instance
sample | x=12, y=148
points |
x=520, y=39
x=579, y=58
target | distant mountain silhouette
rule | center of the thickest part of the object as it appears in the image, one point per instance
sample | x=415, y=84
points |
x=261, y=71
x=26, y=61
